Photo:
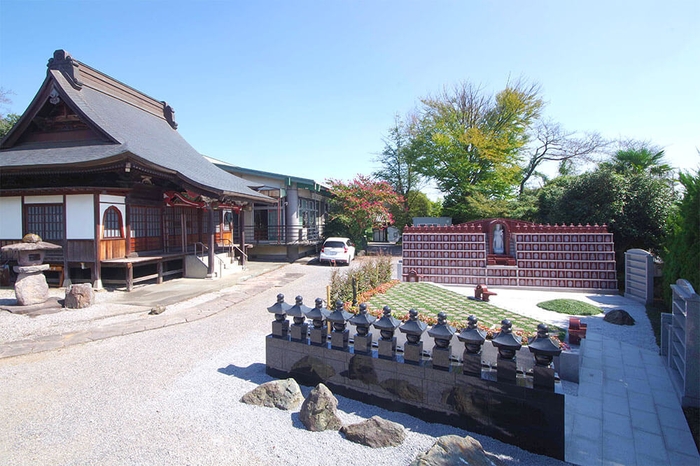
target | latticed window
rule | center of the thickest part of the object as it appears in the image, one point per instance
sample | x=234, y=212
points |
x=145, y=221
x=45, y=220
x=112, y=223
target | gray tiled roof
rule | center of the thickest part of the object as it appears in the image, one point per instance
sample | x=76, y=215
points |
x=139, y=133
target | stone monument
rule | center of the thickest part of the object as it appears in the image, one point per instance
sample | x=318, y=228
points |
x=31, y=287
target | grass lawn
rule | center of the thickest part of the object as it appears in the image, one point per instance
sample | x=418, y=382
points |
x=429, y=300
x=570, y=307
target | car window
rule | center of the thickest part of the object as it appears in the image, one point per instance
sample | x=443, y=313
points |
x=333, y=244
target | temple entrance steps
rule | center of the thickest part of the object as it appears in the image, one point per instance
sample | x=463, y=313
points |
x=197, y=266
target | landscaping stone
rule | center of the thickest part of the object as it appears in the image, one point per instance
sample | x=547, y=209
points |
x=31, y=289
x=156, y=310
x=453, y=449
x=375, y=432
x=319, y=410
x=281, y=394
x=619, y=317
x=79, y=296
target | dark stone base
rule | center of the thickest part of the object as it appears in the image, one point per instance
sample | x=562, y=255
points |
x=529, y=418
x=413, y=352
x=340, y=340
x=387, y=348
x=506, y=370
x=543, y=377
x=441, y=357
x=471, y=364
x=280, y=329
x=299, y=332
x=318, y=336
x=363, y=344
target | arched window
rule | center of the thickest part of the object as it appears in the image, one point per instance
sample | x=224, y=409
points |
x=112, y=223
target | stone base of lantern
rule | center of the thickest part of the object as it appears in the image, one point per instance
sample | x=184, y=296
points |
x=363, y=343
x=387, y=348
x=299, y=332
x=506, y=370
x=441, y=357
x=280, y=329
x=471, y=364
x=340, y=340
x=318, y=336
x=413, y=352
x=543, y=377
x=31, y=288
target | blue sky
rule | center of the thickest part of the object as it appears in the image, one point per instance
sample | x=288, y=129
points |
x=310, y=88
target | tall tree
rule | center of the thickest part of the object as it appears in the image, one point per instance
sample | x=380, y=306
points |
x=361, y=205
x=469, y=142
x=550, y=142
x=640, y=157
x=682, y=250
x=398, y=166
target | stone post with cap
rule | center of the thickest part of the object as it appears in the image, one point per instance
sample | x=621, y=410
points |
x=508, y=346
x=442, y=334
x=340, y=336
x=362, y=341
x=473, y=338
x=413, y=329
x=280, y=326
x=543, y=349
x=299, y=329
x=387, y=325
x=318, y=335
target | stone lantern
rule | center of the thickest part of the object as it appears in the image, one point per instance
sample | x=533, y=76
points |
x=442, y=333
x=280, y=326
x=473, y=338
x=508, y=345
x=299, y=329
x=544, y=349
x=340, y=335
x=362, y=322
x=31, y=286
x=387, y=325
x=413, y=329
x=319, y=333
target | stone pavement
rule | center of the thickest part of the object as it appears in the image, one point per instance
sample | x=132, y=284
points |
x=626, y=412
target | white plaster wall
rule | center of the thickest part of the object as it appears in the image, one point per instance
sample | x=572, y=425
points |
x=11, y=217
x=57, y=199
x=107, y=201
x=80, y=216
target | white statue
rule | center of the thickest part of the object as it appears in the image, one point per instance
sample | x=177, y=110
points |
x=498, y=239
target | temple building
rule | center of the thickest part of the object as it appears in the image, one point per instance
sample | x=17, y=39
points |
x=99, y=168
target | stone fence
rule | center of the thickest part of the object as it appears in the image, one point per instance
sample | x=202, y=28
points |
x=523, y=408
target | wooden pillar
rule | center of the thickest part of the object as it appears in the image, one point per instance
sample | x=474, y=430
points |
x=129, y=276
x=212, y=244
x=97, y=267
x=241, y=221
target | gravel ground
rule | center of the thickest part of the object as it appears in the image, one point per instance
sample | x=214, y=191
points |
x=171, y=396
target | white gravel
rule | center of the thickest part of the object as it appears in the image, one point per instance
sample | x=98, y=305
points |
x=171, y=396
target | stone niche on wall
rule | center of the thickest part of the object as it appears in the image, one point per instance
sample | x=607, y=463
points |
x=505, y=252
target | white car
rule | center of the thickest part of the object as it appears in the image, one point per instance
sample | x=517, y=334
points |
x=337, y=251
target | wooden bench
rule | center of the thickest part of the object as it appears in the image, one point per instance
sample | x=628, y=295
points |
x=577, y=330
x=59, y=270
x=412, y=276
x=482, y=292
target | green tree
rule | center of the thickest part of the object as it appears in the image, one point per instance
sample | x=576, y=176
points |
x=361, y=205
x=398, y=168
x=640, y=157
x=633, y=205
x=469, y=143
x=681, y=253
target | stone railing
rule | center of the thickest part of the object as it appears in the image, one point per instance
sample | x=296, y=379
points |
x=499, y=399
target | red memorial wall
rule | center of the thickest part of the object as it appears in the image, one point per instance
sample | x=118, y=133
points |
x=504, y=252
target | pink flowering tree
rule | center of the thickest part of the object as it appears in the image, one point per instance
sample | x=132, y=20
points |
x=363, y=204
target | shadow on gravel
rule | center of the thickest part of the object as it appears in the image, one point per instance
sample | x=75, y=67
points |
x=254, y=373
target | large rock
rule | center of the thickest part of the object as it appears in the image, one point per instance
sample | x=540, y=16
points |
x=619, y=317
x=31, y=289
x=79, y=296
x=282, y=394
x=453, y=449
x=319, y=411
x=375, y=432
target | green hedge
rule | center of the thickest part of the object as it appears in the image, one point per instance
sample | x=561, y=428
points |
x=370, y=274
